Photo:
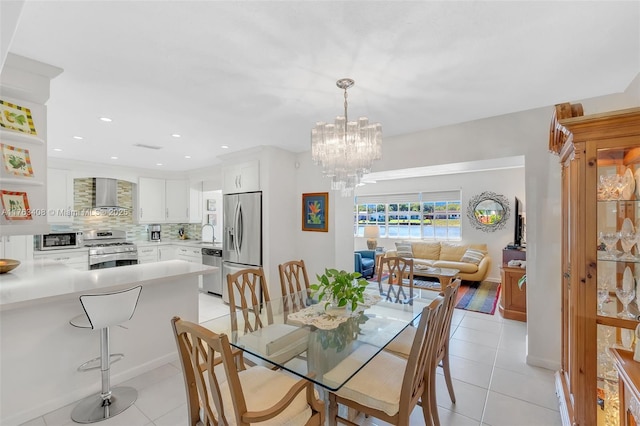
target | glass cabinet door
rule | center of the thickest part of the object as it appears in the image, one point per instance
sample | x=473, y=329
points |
x=618, y=267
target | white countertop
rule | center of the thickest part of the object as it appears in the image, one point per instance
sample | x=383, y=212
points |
x=44, y=280
x=178, y=242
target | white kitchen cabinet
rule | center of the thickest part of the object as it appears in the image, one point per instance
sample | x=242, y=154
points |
x=190, y=254
x=163, y=200
x=177, y=194
x=59, y=196
x=17, y=247
x=244, y=177
x=147, y=254
x=167, y=253
x=151, y=200
x=78, y=259
x=195, y=202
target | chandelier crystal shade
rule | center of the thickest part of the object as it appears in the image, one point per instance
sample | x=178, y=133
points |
x=346, y=149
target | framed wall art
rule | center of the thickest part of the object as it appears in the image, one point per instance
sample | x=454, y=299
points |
x=15, y=117
x=16, y=160
x=15, y=205
x=315, y=211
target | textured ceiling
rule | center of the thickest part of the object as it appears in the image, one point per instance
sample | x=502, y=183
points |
x=262, y=73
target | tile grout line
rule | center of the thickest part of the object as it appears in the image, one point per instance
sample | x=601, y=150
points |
x=493, y=369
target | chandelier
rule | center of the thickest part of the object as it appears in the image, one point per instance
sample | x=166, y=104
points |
x=346, y=149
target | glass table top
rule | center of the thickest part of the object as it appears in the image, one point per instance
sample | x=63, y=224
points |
x=297, y=334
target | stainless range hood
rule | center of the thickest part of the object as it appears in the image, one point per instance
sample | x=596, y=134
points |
x=105, y=194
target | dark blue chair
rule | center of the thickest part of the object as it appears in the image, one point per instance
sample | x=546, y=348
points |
x=365, y=262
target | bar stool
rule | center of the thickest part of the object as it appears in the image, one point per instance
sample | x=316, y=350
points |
x=101, y=312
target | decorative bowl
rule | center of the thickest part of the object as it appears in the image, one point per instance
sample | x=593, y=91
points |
x=7, y=265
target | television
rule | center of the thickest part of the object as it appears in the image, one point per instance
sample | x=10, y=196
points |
x=518, y=228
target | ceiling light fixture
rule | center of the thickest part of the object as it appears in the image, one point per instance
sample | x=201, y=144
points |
x=175, y=135
x=106, y=119
x=224, y=147
x=158, y=164
x=346, y=150
x=57, y=149
x=114, y=158
x=78, y=138
x=187, y=156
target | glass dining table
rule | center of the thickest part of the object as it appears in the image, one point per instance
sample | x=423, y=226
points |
x=307, y=339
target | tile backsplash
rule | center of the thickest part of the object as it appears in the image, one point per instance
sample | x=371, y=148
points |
x=121, y=220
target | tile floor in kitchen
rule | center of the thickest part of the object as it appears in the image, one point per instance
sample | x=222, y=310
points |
x=493, y=384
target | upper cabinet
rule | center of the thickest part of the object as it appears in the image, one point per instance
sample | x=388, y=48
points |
x=244, y=177
x=151, y=200
x=166, y=201
x=59, y=196
x=600, y=160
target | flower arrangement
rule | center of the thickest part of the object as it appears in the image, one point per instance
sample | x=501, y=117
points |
x=340, y=288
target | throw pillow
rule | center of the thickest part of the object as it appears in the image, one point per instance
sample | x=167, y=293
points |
x=472, y=256
x=404, y=250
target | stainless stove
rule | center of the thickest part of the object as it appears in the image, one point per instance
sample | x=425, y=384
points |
x=108, y=249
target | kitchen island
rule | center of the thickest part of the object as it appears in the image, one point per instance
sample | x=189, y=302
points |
x=40, y=350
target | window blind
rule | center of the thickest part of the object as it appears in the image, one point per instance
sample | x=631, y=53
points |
x=409, y=197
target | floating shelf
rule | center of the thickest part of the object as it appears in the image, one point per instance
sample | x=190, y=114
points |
x=20, y=137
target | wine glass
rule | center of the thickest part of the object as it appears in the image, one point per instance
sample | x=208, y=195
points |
x=627, y=241
x=603, y=295
x=625, y=296
x=610, y=239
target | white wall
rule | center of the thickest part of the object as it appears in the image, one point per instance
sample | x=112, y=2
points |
x=523, y=133
x=508, y=182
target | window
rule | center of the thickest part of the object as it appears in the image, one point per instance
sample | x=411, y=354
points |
x=429, y=215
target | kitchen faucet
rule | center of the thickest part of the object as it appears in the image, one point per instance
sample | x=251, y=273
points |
x=213, y=235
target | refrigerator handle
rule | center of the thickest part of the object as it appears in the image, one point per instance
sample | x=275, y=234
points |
x=239, y=228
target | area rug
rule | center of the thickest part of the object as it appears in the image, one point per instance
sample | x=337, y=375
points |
x=478, y=297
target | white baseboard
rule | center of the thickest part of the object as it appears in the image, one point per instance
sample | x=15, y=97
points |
x=543, y=363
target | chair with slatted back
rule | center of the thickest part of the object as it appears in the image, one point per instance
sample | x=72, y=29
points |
x=294, y=283
x=244, y=395
x=391, y=397
x=248, y=296
x=398, y=273
x=401, y=345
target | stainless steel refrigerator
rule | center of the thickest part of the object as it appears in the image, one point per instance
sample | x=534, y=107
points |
x=242, y=238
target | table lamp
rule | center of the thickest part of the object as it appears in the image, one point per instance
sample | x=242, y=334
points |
x=371, y=232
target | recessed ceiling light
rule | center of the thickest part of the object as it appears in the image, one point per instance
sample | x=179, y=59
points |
x=107, y=119
x=175, y=135
x=57, y=149
x=158, y=164
x=224, y=147
x=187, y=156
x=114, y=158
x=78, y=137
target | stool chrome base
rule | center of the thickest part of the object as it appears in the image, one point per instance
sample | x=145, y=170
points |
x=94, y=409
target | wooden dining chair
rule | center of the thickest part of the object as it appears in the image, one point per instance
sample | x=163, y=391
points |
x=390, y=397
x=249, y=294
x=399, y=278
x=293, y=283
x=401, y=345
x=244, y=395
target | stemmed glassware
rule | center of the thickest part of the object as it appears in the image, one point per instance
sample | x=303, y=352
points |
x=627, y=241
x=625, y=296
x=610, y=239
x=603, y=295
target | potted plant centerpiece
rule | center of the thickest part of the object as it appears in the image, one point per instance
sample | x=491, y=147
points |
x=340, y=289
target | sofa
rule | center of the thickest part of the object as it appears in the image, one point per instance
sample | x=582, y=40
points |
x=472, y=260
x=365, y=262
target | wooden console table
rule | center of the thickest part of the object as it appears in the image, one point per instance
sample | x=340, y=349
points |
x=513, y=299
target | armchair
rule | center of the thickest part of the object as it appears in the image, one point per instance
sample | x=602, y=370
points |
x=365, y=262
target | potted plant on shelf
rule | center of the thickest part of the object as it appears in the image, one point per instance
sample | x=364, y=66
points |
x=340, y=289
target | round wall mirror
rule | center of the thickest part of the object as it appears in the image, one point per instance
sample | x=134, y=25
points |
x=488, y=211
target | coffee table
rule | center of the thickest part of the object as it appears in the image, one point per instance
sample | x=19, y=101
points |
x=444, y=275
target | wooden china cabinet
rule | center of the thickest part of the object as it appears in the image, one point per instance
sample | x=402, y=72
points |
x=600, y=159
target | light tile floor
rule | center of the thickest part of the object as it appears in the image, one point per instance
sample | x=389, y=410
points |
x=493, y=384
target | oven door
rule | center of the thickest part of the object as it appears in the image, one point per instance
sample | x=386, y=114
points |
x=112, y=260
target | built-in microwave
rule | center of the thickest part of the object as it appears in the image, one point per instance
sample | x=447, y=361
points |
x=59, y=240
